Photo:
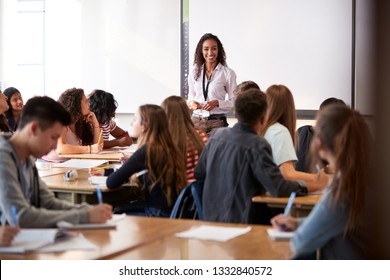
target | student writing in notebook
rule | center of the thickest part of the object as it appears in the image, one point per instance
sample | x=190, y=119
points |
x=103, y=104
x=157, y=161
x=279, y=130
x=83, y=134
x=189, y=140
x=342, y=139
x=41, y=124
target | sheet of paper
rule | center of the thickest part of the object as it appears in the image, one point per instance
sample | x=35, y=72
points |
x=98, y=180
x=202, y=113
x=275, y=234
x=217, y=233
x=80, y=163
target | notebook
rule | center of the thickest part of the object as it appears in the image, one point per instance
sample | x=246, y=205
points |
x=275, y=234
x=34, y=239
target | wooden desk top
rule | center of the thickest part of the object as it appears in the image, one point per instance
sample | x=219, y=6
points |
x=113, y=154
x=255, y=245
x=153, y=238
x=57, y=182
x=308, y=200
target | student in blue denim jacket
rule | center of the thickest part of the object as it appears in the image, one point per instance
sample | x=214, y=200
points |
x=342, y=139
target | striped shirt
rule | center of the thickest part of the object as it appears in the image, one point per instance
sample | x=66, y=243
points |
x=193, y=157
x=106, y=129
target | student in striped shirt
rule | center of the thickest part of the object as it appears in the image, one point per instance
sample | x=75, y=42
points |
x=186, y=137
x=104, y=105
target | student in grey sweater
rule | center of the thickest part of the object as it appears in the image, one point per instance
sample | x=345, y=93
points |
x=41, y=123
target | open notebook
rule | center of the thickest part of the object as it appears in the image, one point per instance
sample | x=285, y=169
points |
x=34, y=239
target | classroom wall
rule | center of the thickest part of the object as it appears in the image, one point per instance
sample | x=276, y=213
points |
x=133, y=50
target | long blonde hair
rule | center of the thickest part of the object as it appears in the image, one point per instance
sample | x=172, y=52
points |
x=281, y=109
x=165, y=165
x=183, y=132
x=346, y=135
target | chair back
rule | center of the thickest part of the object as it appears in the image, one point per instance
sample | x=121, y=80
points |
x=189, y=203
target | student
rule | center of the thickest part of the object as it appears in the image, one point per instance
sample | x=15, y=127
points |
x=237, y=164
x=341, y=138
x=157, y=162
x=209, y=83
x=41, y=123
x=83, y=135
x=189, y=140
x=4, y=127
x=244, y=86
x=7, y=235
x=15, y=103
x=279, y=131
x=305, y=134
x=104, y=105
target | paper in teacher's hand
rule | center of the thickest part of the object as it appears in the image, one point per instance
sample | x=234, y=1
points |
x=217, y=233
x=201, y=113
x=275, y=234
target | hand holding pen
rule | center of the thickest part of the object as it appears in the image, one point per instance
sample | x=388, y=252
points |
x=285, y=222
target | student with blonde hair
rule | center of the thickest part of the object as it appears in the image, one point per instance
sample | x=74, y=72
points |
x=342, y=139
x=157, y=163
x=279, y=131
x=189, y=140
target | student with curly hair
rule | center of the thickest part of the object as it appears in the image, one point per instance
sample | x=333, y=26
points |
x=83, y=135
x=4, y=127
x=104, y=105
x=209, y=83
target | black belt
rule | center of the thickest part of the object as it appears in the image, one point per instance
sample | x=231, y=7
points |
x=217, y=117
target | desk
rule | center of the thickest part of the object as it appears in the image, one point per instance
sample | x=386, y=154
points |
x=301, y=207
x=255, y=245
x=112, y=154
x=82, y=191
x=153, y=238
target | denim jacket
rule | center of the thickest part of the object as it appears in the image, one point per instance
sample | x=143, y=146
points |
x=236, y=165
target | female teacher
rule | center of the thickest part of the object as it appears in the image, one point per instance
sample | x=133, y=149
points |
x=209, y=83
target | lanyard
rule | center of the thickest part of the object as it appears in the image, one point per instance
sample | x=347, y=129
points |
x=206, y=89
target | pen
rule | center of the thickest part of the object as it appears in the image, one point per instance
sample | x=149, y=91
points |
x=99, y=195
x=14, y=215
x=287, y=210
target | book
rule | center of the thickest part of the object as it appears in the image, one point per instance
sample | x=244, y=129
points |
x=34, y=239
x=275, y=234
x=110, y=224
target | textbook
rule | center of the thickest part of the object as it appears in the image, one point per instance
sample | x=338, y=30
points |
x=80, y=163
x=110, y=224
x=34, y=239
x=275, y=234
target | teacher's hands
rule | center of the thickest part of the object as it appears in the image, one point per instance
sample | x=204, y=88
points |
x=210, y=105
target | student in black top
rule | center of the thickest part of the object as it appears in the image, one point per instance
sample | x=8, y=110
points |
x=305, y=134
x=157, y=163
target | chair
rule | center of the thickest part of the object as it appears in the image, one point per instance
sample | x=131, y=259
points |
x=189, y=203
